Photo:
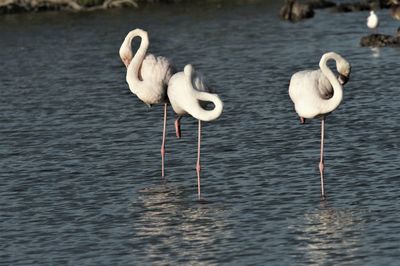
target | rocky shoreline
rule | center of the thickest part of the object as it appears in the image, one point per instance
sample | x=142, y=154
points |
x=296, y=10
x=21, y=6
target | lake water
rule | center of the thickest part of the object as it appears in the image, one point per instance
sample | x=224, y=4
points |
x=80, y=154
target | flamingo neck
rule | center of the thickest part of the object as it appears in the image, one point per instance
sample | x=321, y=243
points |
x=332, y=103
x=196, y=110
x=134, y=66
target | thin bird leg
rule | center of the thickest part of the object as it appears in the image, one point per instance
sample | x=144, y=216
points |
x=321, y=162
x=198, y=161
x=178, y=127
x=163, y=140
x=302, y=120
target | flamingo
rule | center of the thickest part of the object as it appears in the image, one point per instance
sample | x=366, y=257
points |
x=318, y=93
x=185, y=91
x=147, y=76
x=372, y=21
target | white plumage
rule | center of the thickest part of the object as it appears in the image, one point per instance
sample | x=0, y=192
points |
x=317, y=93
x=186, y=90
x=147, y=76
x=372, y=21
x=187, y=93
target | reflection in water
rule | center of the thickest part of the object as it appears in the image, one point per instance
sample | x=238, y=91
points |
x=168, y=222
x=330, y=229
x=376, y=52
x=79, y=149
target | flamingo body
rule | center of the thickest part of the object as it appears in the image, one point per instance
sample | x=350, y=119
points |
x=186, y=90
x=319, y=92
x=147, y=75
x=307, y=88
x=155, y=74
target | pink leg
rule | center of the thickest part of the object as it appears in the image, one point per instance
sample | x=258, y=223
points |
x=321, y=162
x=198, y=161
x=163, y=140
x=178, y=127
x=302, y=120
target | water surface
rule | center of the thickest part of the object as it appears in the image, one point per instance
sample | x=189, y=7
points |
x=80, y=160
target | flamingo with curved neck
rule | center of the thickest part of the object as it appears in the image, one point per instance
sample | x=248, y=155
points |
x=318, y=93
x=147, y=76
x=186, y=91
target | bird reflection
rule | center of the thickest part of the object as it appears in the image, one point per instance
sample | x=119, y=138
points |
x=167, y=221
x=329, y=230
x=376, y=52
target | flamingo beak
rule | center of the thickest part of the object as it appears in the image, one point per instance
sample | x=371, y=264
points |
x=343, y=79
x=126, y=62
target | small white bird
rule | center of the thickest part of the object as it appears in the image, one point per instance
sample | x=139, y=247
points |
x=147, y=75
x=186, y=91
x=318, y=93
x=373, y=21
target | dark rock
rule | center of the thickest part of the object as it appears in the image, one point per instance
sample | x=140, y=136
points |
x=364, y=5
x=352, y=7
x=318, y=4
x=381, y=40
x=294, y=11
x=384, y=3
x=395, y=11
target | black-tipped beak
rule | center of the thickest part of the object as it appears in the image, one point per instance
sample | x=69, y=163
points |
x=126, y=62
x=343, y=79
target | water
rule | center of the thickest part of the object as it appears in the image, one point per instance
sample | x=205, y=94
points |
x=80, y=162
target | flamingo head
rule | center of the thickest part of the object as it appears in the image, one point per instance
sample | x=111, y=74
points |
x=125, y=54
x=344, y=70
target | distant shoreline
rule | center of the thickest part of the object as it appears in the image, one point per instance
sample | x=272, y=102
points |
x=33, y=6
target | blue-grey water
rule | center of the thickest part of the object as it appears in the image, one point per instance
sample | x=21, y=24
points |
x=80, y=160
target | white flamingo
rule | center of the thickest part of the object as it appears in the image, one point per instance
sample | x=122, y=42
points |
x=185, y=91
x=372, y=21
x=317, y=93
x=147, y=76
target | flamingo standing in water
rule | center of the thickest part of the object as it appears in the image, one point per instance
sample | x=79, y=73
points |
x=318, y=93
x=147, y=76
x=185, y=91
